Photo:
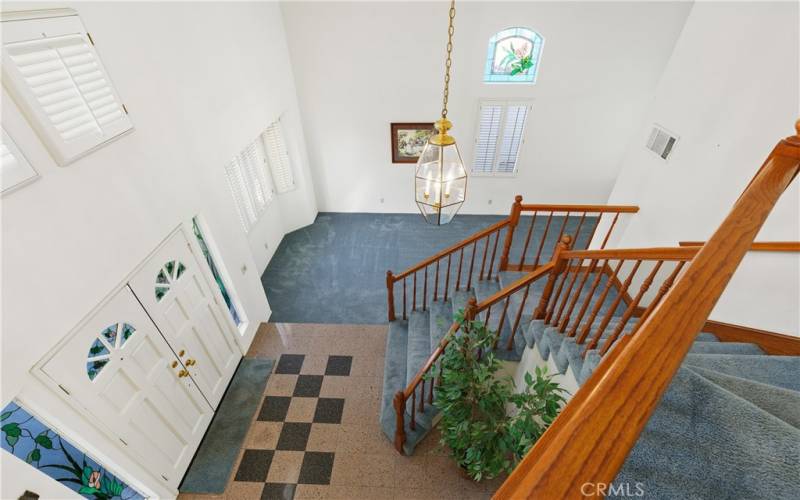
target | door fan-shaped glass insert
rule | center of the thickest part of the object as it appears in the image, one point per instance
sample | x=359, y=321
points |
x=111, y=339
x=167, y=275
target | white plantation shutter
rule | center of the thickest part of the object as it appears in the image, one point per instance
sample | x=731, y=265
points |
x=486, y=141
x=55, y=74
x=500, y=134
x=250, y=183
x=14, y=167
x=278, y=157
x=516, y=117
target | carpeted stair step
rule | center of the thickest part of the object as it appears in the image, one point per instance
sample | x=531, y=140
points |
x=441, y=317
x=592, y=358
x=725, y=348
x=780, y=402
x=780, y=371
x=703, y=441
x=419, y=342
x=394, y=373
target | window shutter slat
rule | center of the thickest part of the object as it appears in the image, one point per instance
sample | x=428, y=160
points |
x=486, y=142
x=516, y=117
x=278, y=157
x=59, y=79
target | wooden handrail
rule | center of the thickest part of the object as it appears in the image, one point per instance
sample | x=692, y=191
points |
x=758, y=246
x=598, y=209
x=453, y=248
x=590, y=440
x=658, y=253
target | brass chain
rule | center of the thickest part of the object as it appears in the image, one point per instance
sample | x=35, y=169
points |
x=448, y=61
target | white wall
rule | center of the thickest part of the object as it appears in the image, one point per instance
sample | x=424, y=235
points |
x=730, y=91
x=200, y=80
x=360, y=66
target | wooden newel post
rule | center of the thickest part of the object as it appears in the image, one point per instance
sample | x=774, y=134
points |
x=399, y=403
x=558, y=268
x=513, y=218
x=390, y=294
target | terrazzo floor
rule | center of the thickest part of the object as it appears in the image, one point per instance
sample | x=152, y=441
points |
x=316, y=433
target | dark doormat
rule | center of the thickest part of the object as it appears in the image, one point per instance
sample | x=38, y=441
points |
x=214, y=461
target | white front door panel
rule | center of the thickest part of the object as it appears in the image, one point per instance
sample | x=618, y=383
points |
x=120, y=369
x=171, y=287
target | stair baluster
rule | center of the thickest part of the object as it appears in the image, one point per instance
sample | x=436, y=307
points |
x=485, y=253
x=610, y=229
x=510, y=344
x=527, y=242
x=425, y=291
x=588, y=300
x=436, y=282
x=599, y=304
x=575, y=271
x=472, y=264
x=621, y=292
x=447, y=278
x=460, y=262
x=502, y=322
x=544, y=238
x=562, y=327
x=626, y=316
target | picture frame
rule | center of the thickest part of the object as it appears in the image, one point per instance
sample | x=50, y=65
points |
x=408, y=140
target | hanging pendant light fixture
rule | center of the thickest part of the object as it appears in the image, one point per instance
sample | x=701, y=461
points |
x=441, y=180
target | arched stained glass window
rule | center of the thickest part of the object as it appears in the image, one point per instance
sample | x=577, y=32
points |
x=513, y=56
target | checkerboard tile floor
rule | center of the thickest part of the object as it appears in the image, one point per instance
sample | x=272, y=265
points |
x=317, y=434
x=293, y=458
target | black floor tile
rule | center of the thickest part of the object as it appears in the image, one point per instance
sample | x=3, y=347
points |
x=290, y=364
x=339, y=365
x=308, y=386
x=294, y=436
x=254, y=465
x=316, y=469
x=274, y=408
x=329, y=411
x=278, y=491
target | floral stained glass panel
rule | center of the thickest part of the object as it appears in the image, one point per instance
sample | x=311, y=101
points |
x=34, y=442
x=513, y=56
x=237, y=319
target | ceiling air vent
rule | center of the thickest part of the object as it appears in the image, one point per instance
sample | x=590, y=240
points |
x=661, y=141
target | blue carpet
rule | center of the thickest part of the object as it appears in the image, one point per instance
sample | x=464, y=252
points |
x=334, y=270
x=215, y=457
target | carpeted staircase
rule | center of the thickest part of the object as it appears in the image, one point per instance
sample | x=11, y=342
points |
x=411, y=342
x=727, y=427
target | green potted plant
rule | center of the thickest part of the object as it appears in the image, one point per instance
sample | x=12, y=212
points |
x=483, y=436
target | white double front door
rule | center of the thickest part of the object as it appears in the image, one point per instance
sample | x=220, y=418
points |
x=152, y=362
x=171, y=287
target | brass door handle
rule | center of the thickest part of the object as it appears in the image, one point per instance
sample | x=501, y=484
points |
x=191, y=362
x=183, y=373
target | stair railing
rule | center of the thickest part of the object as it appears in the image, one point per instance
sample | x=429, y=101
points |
x=582, y=235
x=591, y=438
x=590, y=289
x=421, y=387
x=431, y=279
